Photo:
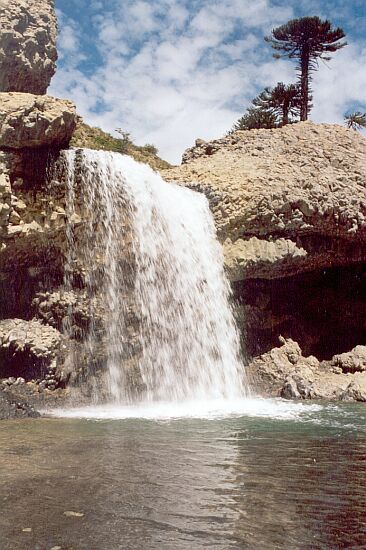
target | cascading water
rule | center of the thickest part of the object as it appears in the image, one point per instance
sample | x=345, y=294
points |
x=149, y=252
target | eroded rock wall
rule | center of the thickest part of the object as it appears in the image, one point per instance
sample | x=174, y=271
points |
x=28, y=30
x=290, y=206
x=286, y=200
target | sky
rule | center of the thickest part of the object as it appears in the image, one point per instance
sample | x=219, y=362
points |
x=171, y=71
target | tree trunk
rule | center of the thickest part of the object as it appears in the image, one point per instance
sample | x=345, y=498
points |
x=285, y=110
x=304, y=81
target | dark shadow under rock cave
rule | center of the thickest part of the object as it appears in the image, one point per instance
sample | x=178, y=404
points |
x=324, y=311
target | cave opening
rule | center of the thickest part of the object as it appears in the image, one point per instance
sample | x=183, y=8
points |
x=324, y=311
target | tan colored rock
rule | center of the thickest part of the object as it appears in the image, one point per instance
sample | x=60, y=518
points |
x=28, y=30
x=284, y=372
x=29, y=337
x=303, y=184
x=260, y=257
x=353, y=361
x=28, y=120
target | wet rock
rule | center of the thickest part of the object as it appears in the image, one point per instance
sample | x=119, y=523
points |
x=290, y=390
x=28, y=30
x=355, y=391
x=12, y=406
x=28, y=120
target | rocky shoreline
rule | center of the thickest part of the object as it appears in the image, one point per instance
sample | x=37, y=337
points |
x=285, y=372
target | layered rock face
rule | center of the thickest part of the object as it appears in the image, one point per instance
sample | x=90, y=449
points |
x=33, y=129
x=28, y=30
x=28, y=121
x=286, y=200
x=290, y=211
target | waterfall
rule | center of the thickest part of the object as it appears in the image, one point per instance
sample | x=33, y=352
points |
x=152, y=265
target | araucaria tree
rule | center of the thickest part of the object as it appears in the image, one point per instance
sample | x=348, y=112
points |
x=255, y=118
x=283, y=101
x=356, y=121
x=272, y=108
x=307, y=39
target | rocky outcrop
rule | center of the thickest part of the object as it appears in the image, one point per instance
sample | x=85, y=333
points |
x=13, y=406
x=259, y=257
x=284, y=372
x=27, y=348
x=300, y=190
x=28, y=121
x=353, y=361
x=28, y=30
x=290, y=211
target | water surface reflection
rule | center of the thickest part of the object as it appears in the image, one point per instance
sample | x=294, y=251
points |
x=226, y=483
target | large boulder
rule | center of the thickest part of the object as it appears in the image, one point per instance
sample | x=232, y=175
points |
x=285, y=372
x=28, y=30
x=352, y=361
x=28, y=121
x=286, y=200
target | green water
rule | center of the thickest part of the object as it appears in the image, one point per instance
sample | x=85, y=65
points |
x=229, y=483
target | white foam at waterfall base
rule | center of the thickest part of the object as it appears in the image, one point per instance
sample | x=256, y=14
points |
x=278, y=409
x=189, y=341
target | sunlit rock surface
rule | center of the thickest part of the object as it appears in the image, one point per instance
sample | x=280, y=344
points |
x=28, y=120
x=305, y=183
x=28, y=30
x=285, y=372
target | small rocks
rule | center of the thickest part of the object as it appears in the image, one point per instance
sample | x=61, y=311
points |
x=11, y=381
x=71, y=514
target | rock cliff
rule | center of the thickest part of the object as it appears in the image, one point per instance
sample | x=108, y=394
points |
x=28, y=121
x=290, y=206
x=28, y=54
x=286, y=200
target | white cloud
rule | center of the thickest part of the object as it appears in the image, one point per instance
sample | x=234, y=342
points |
x=340, y=85
x=175, y=70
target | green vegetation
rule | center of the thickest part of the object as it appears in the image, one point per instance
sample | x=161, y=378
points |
x=255, y=118
x=356, y=120
x=307, y=40
x=282, y=101
x=94, y=138
x=272, y=108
